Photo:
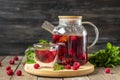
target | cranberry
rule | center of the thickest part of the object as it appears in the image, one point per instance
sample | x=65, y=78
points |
x=16, y=58
x=10, y=72
x=19, y=73
x=81, y=57
x=77, y=64
x=107, y=70
x=36, y=66
x=73, y=38
x=67, y=66
x=11, y=62
x=75, y=68
x=8, y=68
x=0, y=63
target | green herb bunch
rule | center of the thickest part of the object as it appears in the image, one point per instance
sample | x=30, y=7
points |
x=29, y=55
x=108, y=57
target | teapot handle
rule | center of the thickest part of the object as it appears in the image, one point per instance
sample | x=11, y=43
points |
x=96, y=32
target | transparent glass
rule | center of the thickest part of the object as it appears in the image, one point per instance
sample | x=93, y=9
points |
x=46, y=54
x=71, y=32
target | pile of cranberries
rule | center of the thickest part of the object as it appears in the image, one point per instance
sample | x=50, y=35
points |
x=75, y=66
x=9, y=70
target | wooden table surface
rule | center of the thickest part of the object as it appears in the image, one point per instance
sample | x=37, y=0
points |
x=98, y=74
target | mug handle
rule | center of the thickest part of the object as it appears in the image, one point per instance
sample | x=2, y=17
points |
x=96, y=32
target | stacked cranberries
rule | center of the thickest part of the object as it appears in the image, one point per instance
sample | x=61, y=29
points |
x=75, y=66
x=9, y=70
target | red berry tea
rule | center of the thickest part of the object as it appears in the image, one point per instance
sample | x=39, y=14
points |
x=74, y=50
x=45, y=56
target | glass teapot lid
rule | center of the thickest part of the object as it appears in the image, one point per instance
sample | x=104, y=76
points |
x=71, y=17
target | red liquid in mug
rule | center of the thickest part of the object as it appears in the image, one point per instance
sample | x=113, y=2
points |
x=45, y=56
x=74, y=49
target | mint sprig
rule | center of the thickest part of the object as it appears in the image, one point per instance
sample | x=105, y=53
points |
x=29, y=56
x=58, y=66
x=108, y=57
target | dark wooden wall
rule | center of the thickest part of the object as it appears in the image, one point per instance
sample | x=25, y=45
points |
x=21, y=20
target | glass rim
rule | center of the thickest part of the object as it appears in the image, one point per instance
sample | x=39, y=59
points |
x=45, y=44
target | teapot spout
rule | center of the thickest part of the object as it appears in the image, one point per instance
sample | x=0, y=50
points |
x=48, y=26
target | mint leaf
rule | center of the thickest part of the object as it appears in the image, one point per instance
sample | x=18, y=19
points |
x=108, y=57
x=42, y=41
x=58, y=67
x=109, y=46
x=29, y=56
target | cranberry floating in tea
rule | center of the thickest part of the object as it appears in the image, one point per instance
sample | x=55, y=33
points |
x=72, y=33
x=46, y=54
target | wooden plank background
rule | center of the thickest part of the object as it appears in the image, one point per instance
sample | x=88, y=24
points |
x=21, y=20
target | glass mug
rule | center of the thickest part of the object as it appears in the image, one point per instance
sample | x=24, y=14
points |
x=46, y=54
x=72, y=33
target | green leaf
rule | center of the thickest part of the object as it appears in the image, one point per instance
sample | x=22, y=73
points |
x=42, y=41
x=29, y=56
x=109, y=46
x=108, y=61
x=108, y=57
x=58, y=67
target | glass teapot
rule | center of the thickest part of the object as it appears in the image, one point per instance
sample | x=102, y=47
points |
x=72, y=33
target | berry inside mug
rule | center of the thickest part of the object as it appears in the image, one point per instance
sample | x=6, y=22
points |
x=46, y=54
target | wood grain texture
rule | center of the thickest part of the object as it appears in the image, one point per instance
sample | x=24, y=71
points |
x=25, y=76
x=78, y=78
x=1, y=58
x=5, y=62
x=97, y=74
x=21, y=20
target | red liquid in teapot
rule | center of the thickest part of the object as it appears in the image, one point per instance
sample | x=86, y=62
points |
x=45, y=56
x=74, y=49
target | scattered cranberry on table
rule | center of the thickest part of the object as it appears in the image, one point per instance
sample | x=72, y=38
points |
x=107, y=70
x=19, y=73
x=8, y=67
x=16, y=58
x=10, y=72
x=11, y=62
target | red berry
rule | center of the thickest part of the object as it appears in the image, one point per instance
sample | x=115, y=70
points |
x=36, y=66
x=19, y=73
x=0, y=63
x=73, y=38
x=16, y=58
x=10, y=72
x=77, y=64
x=67, y=66
x=11, y=62
x=8, y=68
x=107, y=70
x=75, y=68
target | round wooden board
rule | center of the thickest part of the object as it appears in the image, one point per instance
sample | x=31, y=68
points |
x=49, y=72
